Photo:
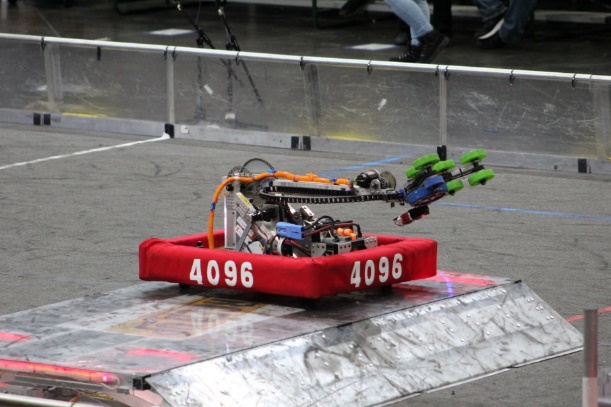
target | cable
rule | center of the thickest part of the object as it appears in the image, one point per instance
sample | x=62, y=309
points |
x=298, y=247
x=257, y=178
x=332, y=230
x=271, y=167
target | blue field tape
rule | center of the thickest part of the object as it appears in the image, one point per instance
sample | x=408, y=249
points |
x=527, y=211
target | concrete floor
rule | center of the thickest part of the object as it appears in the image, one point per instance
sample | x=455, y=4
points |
x=72, y=225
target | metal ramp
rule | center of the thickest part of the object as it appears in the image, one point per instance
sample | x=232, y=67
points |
x=151, y=345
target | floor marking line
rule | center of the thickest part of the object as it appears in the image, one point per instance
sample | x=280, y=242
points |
x=527, y=211
x=471, y=206
x=94, y=150
x=580, y=316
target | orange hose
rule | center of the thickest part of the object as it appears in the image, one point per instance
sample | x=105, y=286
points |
x=247, y=180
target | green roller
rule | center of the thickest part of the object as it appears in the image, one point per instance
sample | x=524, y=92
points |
x=442, y=166
x=475, y=155
x=411, y=173
x=481, y=177
x=423, y=161
x=454, y=186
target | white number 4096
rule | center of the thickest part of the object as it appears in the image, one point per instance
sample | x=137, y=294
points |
x=231, y=273
x=383, y=270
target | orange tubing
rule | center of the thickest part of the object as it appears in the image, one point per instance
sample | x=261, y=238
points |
x=248, y=180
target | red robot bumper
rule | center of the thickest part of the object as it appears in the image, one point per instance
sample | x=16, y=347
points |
x=187, y=260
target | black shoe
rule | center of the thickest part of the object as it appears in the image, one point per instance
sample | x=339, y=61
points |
x=403, y=37
x=490, y=25
x=410, y=55
x=431, y=44
x=492, y=42
x=352, y=7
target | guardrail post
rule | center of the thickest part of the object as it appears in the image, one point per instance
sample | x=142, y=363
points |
x=590, y=351
x=443, y=108
x=171, y=116
x=54, y=76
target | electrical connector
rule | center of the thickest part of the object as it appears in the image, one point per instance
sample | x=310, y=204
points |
x=284, y=229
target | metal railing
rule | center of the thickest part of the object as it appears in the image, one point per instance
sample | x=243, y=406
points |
x=561, y=120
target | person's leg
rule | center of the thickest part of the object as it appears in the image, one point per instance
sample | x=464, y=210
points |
x=423, y=5
x=515, y=20
x=442, y=16
x=411, y=12
x=426, y=42
x=426, y=13
x=492, y=12
x=490, y=9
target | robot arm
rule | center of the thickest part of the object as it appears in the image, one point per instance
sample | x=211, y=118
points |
x=260, y=216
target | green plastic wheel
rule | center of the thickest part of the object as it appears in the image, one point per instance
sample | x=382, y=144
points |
x=411, y=173
x=481, y=177
x=454, y=186
x=423, y=161
x=475, y=155
x=442, y=166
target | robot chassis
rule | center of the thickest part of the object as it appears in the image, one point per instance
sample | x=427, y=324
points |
x=267, y=213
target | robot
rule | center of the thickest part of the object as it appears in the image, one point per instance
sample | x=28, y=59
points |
x=267, y=213
x=273, y=243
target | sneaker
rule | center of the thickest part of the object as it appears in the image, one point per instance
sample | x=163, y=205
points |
x=352, y=7
x=491, y=25
x=492, y=42
x=410, y=55
x=431, y=44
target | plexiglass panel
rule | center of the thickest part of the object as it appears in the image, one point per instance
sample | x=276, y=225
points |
x=250, y=95
x=522, y=115
x=383, y=105
x=539, y=113
x=22, y=75
x=120, y=84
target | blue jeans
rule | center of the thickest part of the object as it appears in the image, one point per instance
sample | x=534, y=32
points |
x=414, y=13
x=516, y=16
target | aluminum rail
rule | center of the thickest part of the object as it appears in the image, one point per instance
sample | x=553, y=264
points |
x=369, y=65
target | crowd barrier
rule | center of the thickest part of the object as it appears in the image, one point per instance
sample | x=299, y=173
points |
x=530, y=119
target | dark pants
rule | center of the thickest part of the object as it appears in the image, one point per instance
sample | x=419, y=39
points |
x=442, y=16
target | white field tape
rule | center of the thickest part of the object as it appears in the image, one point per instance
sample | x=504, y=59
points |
x=94, y=150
